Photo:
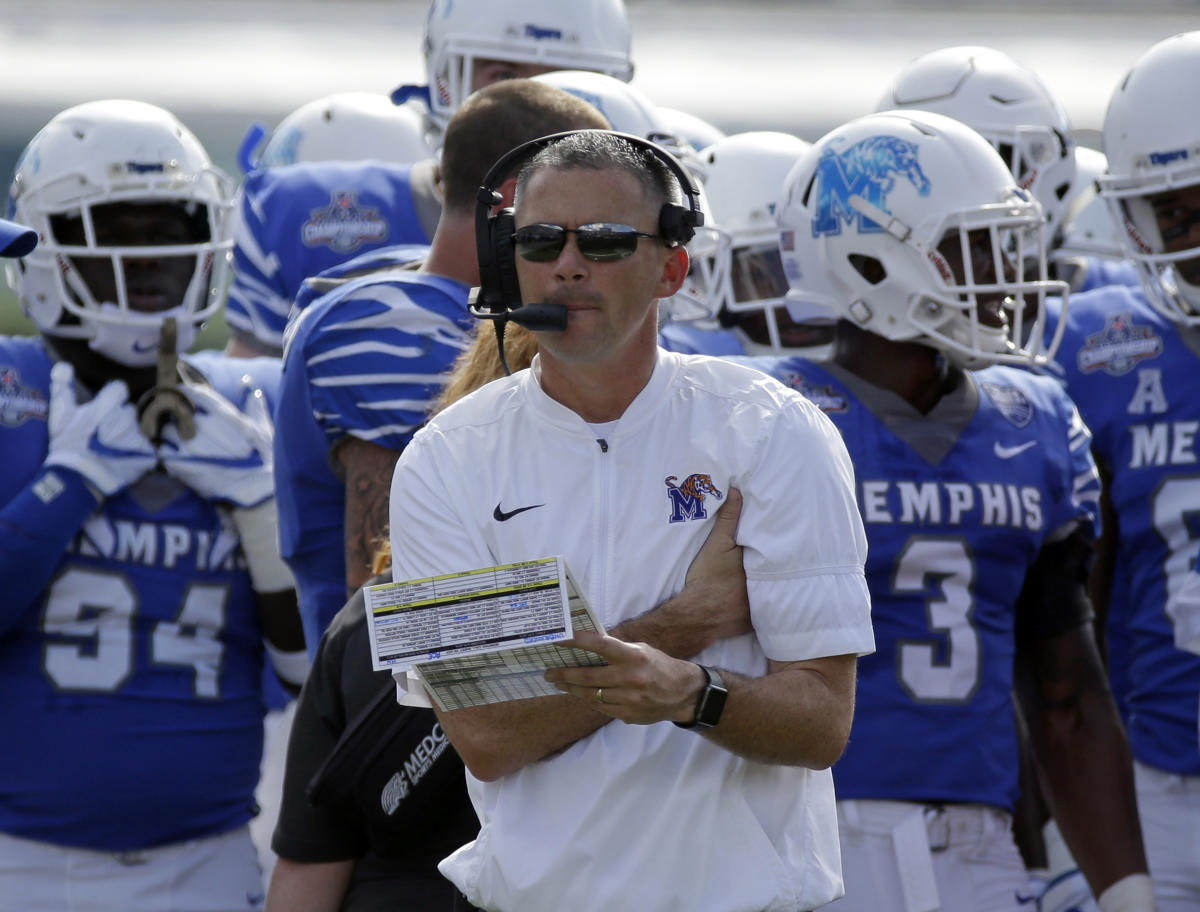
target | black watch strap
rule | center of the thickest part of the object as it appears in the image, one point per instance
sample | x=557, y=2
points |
x=711, y=703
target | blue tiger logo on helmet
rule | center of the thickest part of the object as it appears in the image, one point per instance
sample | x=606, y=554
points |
x=868, y=169
x=687, y=499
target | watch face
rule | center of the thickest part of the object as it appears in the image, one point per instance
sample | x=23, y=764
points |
x=712, y=701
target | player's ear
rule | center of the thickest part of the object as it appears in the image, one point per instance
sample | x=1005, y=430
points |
x=674, y=271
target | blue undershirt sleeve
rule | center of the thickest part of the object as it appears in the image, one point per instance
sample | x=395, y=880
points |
x=36, y=527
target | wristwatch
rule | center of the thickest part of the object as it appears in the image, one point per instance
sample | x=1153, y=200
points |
x=711, y=702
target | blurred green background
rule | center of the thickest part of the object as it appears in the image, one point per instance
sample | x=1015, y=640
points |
x=14, y=323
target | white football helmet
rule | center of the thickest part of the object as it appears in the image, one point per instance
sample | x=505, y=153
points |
x=628, y=110
x=107, y=152
x=1087, y=229
x=744, y=180
x=1006, y=102
x=909, y=225
x=579, y=34
x=696, y=131
x=348, y=126
x=1152, y=140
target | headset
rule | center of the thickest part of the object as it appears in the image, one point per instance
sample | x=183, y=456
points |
x=498, y=297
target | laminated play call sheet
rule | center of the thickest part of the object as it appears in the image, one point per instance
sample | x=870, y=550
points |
x=481, y=636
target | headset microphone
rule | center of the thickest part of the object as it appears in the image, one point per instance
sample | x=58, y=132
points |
x=540, y=316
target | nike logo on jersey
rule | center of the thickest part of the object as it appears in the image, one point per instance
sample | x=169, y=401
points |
x=501, y=516
x=1004, y=452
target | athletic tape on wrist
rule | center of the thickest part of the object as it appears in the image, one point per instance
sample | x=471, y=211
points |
x=258, y=529
x=292, y=667
x=1132, y=893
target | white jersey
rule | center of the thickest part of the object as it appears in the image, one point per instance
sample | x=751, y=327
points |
x=651, y=813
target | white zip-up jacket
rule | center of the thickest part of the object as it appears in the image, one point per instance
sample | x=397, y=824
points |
x=651, y=817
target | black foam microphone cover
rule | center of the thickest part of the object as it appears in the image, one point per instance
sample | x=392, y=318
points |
x=540, y=316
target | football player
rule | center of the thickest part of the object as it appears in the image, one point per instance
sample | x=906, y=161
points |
x=363, y=363
x=1014, y=110
x=470, y=44
x=1087, y=253
x=340, y=177
x=743, y=176
x=979, y=497
x=143, y=585
x=1129, y=357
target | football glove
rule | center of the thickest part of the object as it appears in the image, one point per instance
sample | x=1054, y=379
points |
x=98, y=439
x=230, y=458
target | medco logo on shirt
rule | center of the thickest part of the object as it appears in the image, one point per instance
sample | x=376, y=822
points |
x=419, y=762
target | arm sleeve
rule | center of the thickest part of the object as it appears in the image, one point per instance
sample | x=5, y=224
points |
x=37, y=526
x=378, y=358
x=258, y=302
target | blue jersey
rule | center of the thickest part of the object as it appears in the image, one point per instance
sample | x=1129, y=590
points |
x=402, y=256
x=693, y=339
x=296, y=221
x=1099, y=272
x=957, y=505
x=1133, y=373
x=134, y=710
x=366, y=360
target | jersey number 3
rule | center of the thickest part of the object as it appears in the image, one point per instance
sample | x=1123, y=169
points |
x=945, y=567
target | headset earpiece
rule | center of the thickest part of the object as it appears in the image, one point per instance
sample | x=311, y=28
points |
x=487, y=298
x=502, y=227
x=676, y=224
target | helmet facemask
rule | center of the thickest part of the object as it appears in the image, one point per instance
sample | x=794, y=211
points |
x=83, y=283
x=1157, y=219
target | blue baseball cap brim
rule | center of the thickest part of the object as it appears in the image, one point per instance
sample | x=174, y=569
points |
x=16, y=240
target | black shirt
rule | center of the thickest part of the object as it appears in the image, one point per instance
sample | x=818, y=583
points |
x=369, y=779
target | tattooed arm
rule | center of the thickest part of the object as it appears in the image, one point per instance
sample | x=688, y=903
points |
x=366, y=469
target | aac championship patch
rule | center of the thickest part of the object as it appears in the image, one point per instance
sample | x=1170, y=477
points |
x=19, y=403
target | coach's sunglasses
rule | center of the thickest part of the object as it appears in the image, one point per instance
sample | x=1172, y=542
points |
x=599, y=241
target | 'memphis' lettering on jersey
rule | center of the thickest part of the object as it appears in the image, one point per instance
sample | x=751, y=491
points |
x=419, y=762
x=953, y=503
x=1163, y=443
x=153, y=544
